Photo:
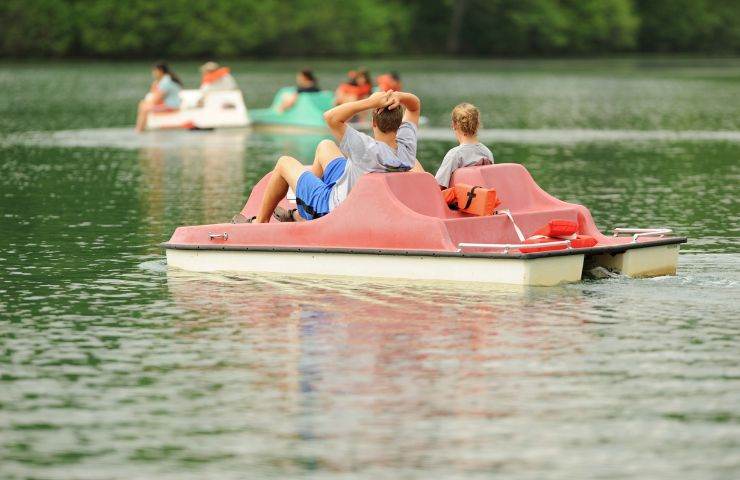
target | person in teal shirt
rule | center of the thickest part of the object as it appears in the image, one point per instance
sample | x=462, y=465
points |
x=163, y=96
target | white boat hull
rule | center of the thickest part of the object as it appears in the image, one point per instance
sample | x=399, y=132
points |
x=642, y=262
x=219, y=109
x=543, y=271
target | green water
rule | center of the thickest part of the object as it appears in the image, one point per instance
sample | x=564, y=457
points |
x=113, y=366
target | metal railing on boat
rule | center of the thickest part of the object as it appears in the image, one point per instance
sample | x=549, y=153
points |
x=642, y=232
x=509, y=246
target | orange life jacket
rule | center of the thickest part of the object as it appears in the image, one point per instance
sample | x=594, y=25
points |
x=535, y=239
x=387, y=82
x=475, y=200
x=360, y=91
x=583, y=241
x=215, y=75
x=556, y=230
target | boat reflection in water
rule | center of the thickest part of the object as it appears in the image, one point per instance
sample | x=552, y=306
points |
x=219, y=167
x=349, y=371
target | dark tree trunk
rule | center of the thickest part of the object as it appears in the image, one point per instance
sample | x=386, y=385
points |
x=453, y=37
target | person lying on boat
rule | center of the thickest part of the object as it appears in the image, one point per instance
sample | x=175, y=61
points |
x=163, y=96
x=305, y=83
x=215, y=77
x=469, y=152
x=358, y=86
x=389, y=81
x=336, y=169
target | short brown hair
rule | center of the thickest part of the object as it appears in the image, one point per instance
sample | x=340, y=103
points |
x=388, y=120
x=466, y=118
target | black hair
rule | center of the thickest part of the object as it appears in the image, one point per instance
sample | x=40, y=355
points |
x=395, y=75
x=308, y=73
x=365, y=73
x=164, y=68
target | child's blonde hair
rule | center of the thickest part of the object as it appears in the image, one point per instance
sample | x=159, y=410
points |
x=466, y=118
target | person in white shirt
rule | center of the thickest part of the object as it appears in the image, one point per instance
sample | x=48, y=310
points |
x=469, y=152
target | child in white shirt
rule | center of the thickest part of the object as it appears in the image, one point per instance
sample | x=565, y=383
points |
x=470, y=152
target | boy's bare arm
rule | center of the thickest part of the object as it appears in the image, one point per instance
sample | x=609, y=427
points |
x=412, y=104
x=337, y=118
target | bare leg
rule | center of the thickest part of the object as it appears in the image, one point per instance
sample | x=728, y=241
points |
x=326, y=151
x=286, y=174
x=141, y=114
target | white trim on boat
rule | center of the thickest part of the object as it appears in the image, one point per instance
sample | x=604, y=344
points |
x=544, y=271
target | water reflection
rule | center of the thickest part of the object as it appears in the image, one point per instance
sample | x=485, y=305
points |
x=365, y=368
x=384, y=376
x=218, y=170
x=204, y=170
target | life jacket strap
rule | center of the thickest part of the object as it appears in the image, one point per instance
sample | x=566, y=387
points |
x=471, y=196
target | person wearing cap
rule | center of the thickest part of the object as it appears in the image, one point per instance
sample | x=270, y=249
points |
x=216, y=77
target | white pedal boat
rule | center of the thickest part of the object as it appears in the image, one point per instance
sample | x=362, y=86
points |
x=215, y=109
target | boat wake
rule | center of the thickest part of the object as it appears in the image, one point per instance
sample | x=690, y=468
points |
x=126, y=138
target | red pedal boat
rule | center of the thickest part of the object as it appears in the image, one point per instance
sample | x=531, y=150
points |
x=397, y=225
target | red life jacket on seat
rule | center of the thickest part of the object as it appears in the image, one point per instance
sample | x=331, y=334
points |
x=559, y=230
x=474, y=200
x=535, y=239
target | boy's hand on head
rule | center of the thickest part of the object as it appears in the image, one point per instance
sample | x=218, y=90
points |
x=395, y=100
x=381, y=99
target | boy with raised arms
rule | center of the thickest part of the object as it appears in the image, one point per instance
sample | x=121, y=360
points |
x=336, y=169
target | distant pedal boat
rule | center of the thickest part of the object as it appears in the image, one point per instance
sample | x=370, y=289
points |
x=396, y=225
x=214, y=109
x=306, y=113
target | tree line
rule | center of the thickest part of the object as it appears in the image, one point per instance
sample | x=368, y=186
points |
x=271, y=28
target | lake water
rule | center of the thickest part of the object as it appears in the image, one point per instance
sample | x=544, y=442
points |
x=114, y=367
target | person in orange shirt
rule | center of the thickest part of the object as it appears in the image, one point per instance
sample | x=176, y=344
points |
x=389, y=81
x=358, y=86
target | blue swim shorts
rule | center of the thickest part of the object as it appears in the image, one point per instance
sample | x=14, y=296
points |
x=312, y=193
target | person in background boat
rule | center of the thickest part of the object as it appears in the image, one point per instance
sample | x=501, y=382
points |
x=215, y=77
x=163, y=96
x=470, y=152
x=358, y=86
x=389, y=81
x=305, y=83
x=337, y=168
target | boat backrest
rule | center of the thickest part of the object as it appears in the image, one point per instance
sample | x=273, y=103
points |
x=211, y=100
x=418, y=191
x=223, y=99
x=514, y=185
x=189, y=98
x=322, y=100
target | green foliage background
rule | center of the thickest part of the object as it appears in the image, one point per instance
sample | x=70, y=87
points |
x=232, y=28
